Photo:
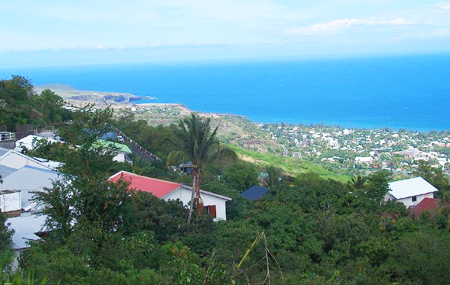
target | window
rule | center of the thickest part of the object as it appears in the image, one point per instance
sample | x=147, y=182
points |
x=414, y=198
x=211, y=210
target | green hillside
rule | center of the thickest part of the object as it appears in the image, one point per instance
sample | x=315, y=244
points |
x=292, y=166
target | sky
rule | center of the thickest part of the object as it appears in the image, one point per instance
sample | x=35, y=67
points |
x=54, y=32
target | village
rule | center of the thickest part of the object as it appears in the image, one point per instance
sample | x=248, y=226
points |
x=354, y=151
x=365, y=150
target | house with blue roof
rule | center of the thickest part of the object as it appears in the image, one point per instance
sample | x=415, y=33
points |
x=255, y=192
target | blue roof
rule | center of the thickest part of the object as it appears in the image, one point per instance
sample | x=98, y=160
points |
x=109, y=136
x=255, y=192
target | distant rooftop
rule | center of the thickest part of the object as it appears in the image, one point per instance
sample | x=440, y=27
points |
x=120, y=146
x=255, y=192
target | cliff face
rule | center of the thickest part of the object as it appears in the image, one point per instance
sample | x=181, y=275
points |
x=69, y=93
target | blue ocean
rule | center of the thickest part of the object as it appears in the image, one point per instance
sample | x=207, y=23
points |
x=411, y=92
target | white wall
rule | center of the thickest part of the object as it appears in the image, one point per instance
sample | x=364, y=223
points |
x=10, y=201
x=408, y=200
x=185, y=196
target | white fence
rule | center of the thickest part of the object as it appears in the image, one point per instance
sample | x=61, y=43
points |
x=7, y=136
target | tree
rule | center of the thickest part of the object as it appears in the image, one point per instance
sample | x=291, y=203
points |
x=241, y=176
x=5, y=242
x=433, y=175
x=274, y=176
x=196, y=141
x=357, y=182
x=377, y=186
x=50, y=106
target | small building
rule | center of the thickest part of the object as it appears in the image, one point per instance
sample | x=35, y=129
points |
x=215, y=204
x=410, y=191
x=255, y=192
x=364, y=160
x=122, y=149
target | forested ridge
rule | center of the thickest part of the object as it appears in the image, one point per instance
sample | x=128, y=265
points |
x=306, y=230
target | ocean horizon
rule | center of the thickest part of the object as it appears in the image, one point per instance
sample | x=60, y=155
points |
x=399, y=92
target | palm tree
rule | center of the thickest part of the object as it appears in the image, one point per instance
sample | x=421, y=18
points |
x=274, y=176
x=197, y=142
x=357, y=182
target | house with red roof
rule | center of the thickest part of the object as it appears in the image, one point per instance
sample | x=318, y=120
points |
x=215, y=204
x=410, y=191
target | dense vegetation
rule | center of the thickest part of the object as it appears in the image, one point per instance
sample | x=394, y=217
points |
x=307, y=230
x=20, y=105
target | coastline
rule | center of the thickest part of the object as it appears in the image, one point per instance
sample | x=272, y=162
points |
x=333, y=147
x=117, y=99
x=399, y=93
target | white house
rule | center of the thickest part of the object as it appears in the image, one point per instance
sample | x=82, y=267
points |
x=215, y=204
x=410, y=191
x=364, y=160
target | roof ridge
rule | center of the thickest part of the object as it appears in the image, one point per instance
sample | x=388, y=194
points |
x=25, y=156
x=207, y=192
x=124, y=171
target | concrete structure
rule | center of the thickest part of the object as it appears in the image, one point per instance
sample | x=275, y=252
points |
x=214, y=203
x=10, y=201
x=410, y=191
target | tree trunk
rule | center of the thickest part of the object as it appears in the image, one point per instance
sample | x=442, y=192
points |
x=191, y=204
x=199, y=202
x=196, y=200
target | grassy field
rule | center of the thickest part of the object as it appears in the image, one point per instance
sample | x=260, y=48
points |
x=292, y=166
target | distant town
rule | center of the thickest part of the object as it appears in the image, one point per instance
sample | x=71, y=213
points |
x=362, y=151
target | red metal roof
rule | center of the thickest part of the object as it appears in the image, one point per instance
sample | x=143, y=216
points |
x=157, y=187
x=427, y=204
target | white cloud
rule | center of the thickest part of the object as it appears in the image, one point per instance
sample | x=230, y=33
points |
x=441, y=7
x=343, y=24
x=445, y=7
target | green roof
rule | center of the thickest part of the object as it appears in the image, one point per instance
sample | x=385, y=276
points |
x=120, y=146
